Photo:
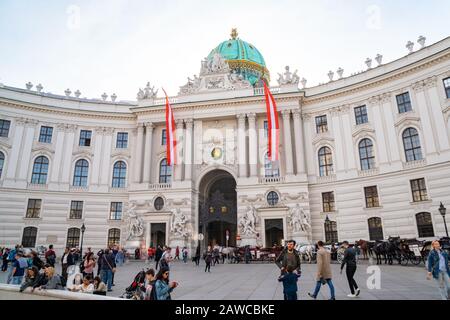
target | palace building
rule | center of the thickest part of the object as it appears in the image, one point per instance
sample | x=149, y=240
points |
x=365, y=156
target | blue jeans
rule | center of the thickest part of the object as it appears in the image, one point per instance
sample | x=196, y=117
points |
x=290, y=296
x=443, y=282
x=319, y=284
x=106, y=276
x=16, y=280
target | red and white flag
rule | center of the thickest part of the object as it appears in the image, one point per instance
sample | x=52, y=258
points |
x=273, y=126
x=170, y=133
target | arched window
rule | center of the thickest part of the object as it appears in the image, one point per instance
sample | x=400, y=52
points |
x=375, y=229
x=73, y=237
x=366, y=155
x=269, y=170
x=29, y=237
x=119, y=174
x=325, y=161
x=424, y=225
x=80, y=175
x=411, y=143
x=331, y=233
x=165, y=172
x=40, y=170
x=113, y=237
x=2, y=162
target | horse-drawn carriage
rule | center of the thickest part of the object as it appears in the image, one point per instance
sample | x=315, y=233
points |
x=259, y=254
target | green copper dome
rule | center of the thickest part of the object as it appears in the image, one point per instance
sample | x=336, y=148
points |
x=243, y=57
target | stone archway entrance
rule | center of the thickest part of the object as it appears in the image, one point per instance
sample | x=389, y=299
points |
x=218, y=208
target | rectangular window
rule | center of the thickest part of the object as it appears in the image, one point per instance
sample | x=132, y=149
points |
x=116, y=211
x=419, y=190
x=122, y=140
x=4, y=128
x=371, y=194
x=447, y=87
x=321, y=124
x=34, y=208
x=361, y=115
x=266, y=129
x=328, y=201
x=45, y=135
x=85, y=138
x=163, y=137
x=403, y=102
x=76, y=209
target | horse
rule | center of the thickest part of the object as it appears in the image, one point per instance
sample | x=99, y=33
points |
x=306, y=251
x=364, y=247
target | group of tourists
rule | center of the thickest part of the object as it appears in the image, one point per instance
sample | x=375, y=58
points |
x=289, y=263
x=78, y=274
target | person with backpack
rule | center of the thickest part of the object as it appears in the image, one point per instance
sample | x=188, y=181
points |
x=50, y=256
x=18, y=270
x=162, y=286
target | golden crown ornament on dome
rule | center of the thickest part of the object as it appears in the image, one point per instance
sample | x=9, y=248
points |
x=234, y=33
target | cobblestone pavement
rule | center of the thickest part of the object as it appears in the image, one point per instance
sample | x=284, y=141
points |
x=259, y=281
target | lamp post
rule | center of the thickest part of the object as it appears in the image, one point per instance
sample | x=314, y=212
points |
x=83, y=229
x=442, y=211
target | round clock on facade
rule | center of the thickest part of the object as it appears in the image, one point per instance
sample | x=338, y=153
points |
x=216, y=153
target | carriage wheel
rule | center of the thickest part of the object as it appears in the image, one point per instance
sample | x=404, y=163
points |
x=403, y=260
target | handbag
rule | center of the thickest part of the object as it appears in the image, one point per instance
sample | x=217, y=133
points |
x=112, y=269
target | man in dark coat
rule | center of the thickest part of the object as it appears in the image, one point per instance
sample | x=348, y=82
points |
x=289, y=257
x=158, y=255
x=66, y=261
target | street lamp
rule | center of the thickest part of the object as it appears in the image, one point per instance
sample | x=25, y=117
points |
x=442, y=211
x=327, y=219
x=83, y=229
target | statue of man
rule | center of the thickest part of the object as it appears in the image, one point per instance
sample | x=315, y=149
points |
x=287, y=75
x=296, y=221
x=248, y=221
x=135, y=223
x=306, y=221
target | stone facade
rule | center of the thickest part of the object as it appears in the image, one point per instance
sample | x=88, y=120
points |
x=231, y=118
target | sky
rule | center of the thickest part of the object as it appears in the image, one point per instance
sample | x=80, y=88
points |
x=117, y=46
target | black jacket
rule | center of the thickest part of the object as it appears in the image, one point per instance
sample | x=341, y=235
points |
x=108, y=261
x=349, y=258
x=70, y=261
x=281, y=261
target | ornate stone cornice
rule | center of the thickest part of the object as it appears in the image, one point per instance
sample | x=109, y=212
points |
x=65, y=127
x=380, y=98
x=104, y=131
x=425, y=84
x=67, y=112
x=335, y=111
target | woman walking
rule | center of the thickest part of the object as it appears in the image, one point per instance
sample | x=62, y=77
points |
x=208, y=256
x=162, y=285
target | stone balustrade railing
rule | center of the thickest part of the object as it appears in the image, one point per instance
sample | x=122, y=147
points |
x=265, y=180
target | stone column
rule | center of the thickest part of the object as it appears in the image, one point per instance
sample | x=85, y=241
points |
x=138, y=153
x=287, y=141
x=179, y=150
x=188, y=150
x=299, y=144
x=242, y=156
x=17, y=141
x=148, y=152
x=253, y=145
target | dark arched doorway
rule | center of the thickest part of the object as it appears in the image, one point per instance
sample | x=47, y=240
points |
x=217, y=208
